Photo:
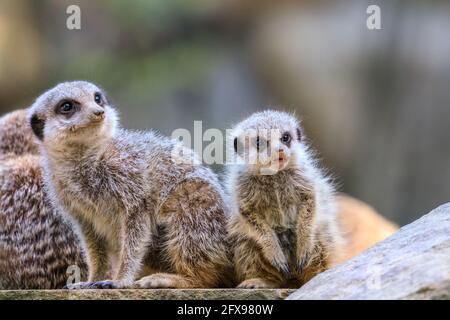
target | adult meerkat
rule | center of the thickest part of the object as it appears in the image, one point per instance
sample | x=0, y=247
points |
x=283, y=223
x=136, y=202
x=36, y=246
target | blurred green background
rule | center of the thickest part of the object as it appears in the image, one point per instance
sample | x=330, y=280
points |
x=376, y=103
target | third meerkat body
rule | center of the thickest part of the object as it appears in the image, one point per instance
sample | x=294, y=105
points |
x=136, y=204
x=283, y=224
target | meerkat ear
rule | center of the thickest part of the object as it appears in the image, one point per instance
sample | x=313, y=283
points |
x=235, y=144
x=299, y=134
x=37, y=125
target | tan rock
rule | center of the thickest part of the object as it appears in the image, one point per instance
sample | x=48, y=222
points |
x=363, y=226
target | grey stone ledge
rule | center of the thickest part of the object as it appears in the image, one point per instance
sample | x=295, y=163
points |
x=147, y=294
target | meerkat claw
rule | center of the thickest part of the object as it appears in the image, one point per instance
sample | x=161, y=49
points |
x=282, y=267
x=280, y=263
x=303, y=261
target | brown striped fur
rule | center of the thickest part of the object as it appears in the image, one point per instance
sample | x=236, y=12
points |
x=16, y=138
x=36, y=245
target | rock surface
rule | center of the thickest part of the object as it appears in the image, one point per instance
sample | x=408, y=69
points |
x=414, y=263
x=141, y=294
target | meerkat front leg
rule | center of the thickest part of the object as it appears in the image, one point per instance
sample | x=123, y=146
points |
x=305, y=234
x=136, y=233
x=252, y=269
x=194, y=243
x=97, y=257
x=268, y=240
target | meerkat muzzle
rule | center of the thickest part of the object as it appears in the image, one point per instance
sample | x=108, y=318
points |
x=98, y=115
x=281, y=155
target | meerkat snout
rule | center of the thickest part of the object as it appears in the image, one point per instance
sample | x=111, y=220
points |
x=98, y=115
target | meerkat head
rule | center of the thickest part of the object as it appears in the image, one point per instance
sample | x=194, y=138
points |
x=16, y=137
x=75, y=112
x=268, y=141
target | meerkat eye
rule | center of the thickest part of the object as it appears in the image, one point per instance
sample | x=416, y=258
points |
x=98, y=98
x=286, y=137
x=66, y=107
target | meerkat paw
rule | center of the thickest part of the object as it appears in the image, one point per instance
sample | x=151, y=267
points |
x=304, y=260
x=108, y=284
x=163, y=281
x=280, y=263
x=256, y=283
x=78, y=285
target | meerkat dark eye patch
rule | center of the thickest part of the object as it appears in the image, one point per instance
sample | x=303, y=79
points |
x=299, y=134
x=37, y=125
x=239, y=146
x=66, y=108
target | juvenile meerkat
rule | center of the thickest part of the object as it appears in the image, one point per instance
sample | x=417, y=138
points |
x=36, y=246
x=283, y=223
x=135, y=201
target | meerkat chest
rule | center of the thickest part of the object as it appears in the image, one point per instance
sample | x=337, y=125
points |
x=82, y=195
x=86, y=197
x=282, y=214
x=277, y=202
x=111, y=183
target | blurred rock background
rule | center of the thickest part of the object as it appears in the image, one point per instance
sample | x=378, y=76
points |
x=376, y=103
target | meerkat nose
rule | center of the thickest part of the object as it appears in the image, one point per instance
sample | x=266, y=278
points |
x=281, y=155
x=98, y=115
